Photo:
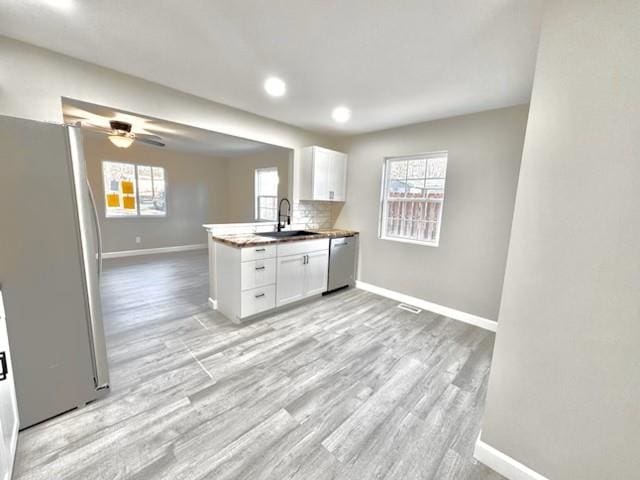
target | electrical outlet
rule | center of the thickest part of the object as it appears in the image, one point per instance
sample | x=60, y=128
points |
x=138, y=239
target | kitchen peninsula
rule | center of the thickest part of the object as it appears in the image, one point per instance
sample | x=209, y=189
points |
x=254, y=269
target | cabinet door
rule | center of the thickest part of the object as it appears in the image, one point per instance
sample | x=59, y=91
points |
x=316, y=273
x=290, y=279
x=338, y=177
x=322, y=160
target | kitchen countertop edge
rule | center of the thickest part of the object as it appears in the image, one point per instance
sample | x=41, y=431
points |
x=242, y=240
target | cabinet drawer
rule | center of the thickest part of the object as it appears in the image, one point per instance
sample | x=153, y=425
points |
x=257, y=300
x=257, y=253
x=257, y=273
x=294, y=248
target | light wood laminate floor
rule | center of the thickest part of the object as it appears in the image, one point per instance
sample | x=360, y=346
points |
x=344, y=387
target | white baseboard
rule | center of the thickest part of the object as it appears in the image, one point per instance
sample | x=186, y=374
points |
x=503, y=463
x=481, y=322
x=213, y=304
x=151, y=251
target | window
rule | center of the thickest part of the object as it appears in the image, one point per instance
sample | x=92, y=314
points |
x=266, y=193
x=412, y=198
x=134, y=190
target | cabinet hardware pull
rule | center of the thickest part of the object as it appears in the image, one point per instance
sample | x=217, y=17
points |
x=259, y=295
x=261, y=249
x=3, y=366
x=260, y=268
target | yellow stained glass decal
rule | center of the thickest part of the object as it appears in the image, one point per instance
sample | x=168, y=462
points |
x=129, y=203
x=127, y=188
x=113, y=200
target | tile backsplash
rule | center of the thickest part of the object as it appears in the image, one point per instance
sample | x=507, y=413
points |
x=312, y=215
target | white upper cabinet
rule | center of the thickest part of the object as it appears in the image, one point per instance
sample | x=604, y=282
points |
x=323, y=175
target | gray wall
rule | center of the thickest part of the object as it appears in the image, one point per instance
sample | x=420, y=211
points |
x=564, y=392
x=40, y=78
x=200, y=189
x=241, y=176
x=466, y=271
x=196, y=191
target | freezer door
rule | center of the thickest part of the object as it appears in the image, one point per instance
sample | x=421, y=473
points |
x=91, y=244
x=42, y=271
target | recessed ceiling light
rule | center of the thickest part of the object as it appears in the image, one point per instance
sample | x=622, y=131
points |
x=66, y=4
x=341, y=114
x=275, y=87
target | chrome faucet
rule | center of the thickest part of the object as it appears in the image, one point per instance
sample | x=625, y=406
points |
x=287, y=216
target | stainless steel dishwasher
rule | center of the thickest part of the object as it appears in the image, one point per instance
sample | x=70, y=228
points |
x=342, y=262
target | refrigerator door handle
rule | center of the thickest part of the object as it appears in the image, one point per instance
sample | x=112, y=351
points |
x=91, y=251
x=94, y=208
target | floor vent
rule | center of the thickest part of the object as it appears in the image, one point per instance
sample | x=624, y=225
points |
x=409, y=308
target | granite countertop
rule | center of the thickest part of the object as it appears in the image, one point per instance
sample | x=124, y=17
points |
x=240, y=240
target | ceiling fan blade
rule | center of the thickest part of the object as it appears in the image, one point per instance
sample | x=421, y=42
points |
x=84, y=124
x=149, y=141
x=148, y=136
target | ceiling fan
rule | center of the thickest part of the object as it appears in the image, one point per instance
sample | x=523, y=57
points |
x=120, y=134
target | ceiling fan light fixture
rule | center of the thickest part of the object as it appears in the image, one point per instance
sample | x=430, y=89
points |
x=122, y=140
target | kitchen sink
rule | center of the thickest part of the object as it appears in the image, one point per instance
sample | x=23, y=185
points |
x=287, y=234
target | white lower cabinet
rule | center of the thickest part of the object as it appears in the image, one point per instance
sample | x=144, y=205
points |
x=301, y=276
x=258, y=273
x=254, y=280
x=257, y=300
x=245, y=280
x=290, y=279
x=316, y=273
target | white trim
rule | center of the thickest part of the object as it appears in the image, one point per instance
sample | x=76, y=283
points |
x=213, y=304
x=151, y=251
x=409, y=240
x=469, y=318
x=503, y=463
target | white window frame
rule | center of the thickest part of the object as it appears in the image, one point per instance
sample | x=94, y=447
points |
x=256, y=196
x=135, y=176
x=382, y=216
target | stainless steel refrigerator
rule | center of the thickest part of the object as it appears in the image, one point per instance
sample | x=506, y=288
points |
x=50, y=266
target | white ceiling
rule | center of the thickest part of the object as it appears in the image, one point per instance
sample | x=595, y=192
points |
x=393, y=62
x=174, y=135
